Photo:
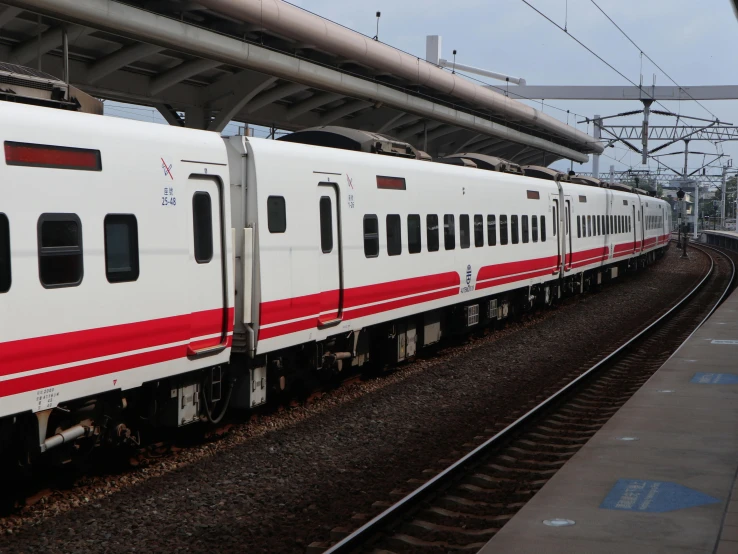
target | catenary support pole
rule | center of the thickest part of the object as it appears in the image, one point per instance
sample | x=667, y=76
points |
x=597, y=135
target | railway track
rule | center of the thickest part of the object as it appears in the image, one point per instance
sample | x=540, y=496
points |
x=462, y=506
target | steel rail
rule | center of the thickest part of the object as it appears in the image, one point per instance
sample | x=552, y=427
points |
x=355, y=539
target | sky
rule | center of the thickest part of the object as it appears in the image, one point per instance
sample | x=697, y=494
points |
x=696, y=43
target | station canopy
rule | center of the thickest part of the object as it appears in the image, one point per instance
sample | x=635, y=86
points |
x=205, y=63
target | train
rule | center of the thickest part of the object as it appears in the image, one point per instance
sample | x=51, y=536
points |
x=154, y=277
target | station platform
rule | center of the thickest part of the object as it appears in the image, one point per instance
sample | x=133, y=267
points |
x=726, y=239
x=660, y=476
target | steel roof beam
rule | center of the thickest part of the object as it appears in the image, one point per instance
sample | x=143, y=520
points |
x=482, y=145
x=441, y=131
x=347, y=108
x=169, y=114
x=274, y=94
x=119, y=59
x=315, y=101
x=238, y=103
x=50, y=39
x=413, y=130
x=569, y=92
x=398, y=121
x=8, y=14
x=182, y=72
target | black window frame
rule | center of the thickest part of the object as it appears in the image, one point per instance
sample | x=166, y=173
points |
x=131, y=274
x=514, y=230
x=543, y=228
x=6, y=268
x=525, y=229
x=478, y=230
x=278, y=202
x=197, y=226
x=326, y=224
x=491, y=230
x=371, y=237
x=432, y=233
x=464, y=231
x=504, y=235
x=534, y=228
x=579, y=227
x=45, y=252
x=393, y=226
x=414, y=235
x=449, y=232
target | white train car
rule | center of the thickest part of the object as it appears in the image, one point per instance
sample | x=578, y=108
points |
x=115, y=273
x=345, y=256
x=152, y=275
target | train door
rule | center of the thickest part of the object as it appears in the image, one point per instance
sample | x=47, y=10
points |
x=568, y=233
x=635, y=234
x=556, y=230
x=209, y=322
x=330, y=276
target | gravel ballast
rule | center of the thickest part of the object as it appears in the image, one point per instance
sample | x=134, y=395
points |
x=286, y=480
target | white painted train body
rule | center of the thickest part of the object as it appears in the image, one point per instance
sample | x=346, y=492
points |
x=404, y=237
x=129, y=251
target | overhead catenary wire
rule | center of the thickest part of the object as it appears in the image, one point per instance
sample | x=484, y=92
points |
x=588, y=49
x=643, y=53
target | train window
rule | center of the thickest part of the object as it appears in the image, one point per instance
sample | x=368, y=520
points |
x=60, y=250
x=431, y=223
x=202, y=227
x=276, y=214
x=534, y=228
x=464, y=238
x=491, y=230
x=599, y=225
x=394, y=235
x=326, y=225
x=5, y=275
x=555, y=221
x=525, y=228
x=543, y=228
x=607, y=224
x=588, y=228
x=121, y=248
x=579, y=227
x=371, y=236
x=449, y=232
x=413, y=234
x=478, y=231
x=514, y=235
x=503, y=229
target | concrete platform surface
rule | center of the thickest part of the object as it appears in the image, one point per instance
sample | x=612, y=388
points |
x=660, y=476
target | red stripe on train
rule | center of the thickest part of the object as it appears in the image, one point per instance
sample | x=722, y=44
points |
x=276, y=311
x=94, y=369
x=501, y=271
x=39, y=352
